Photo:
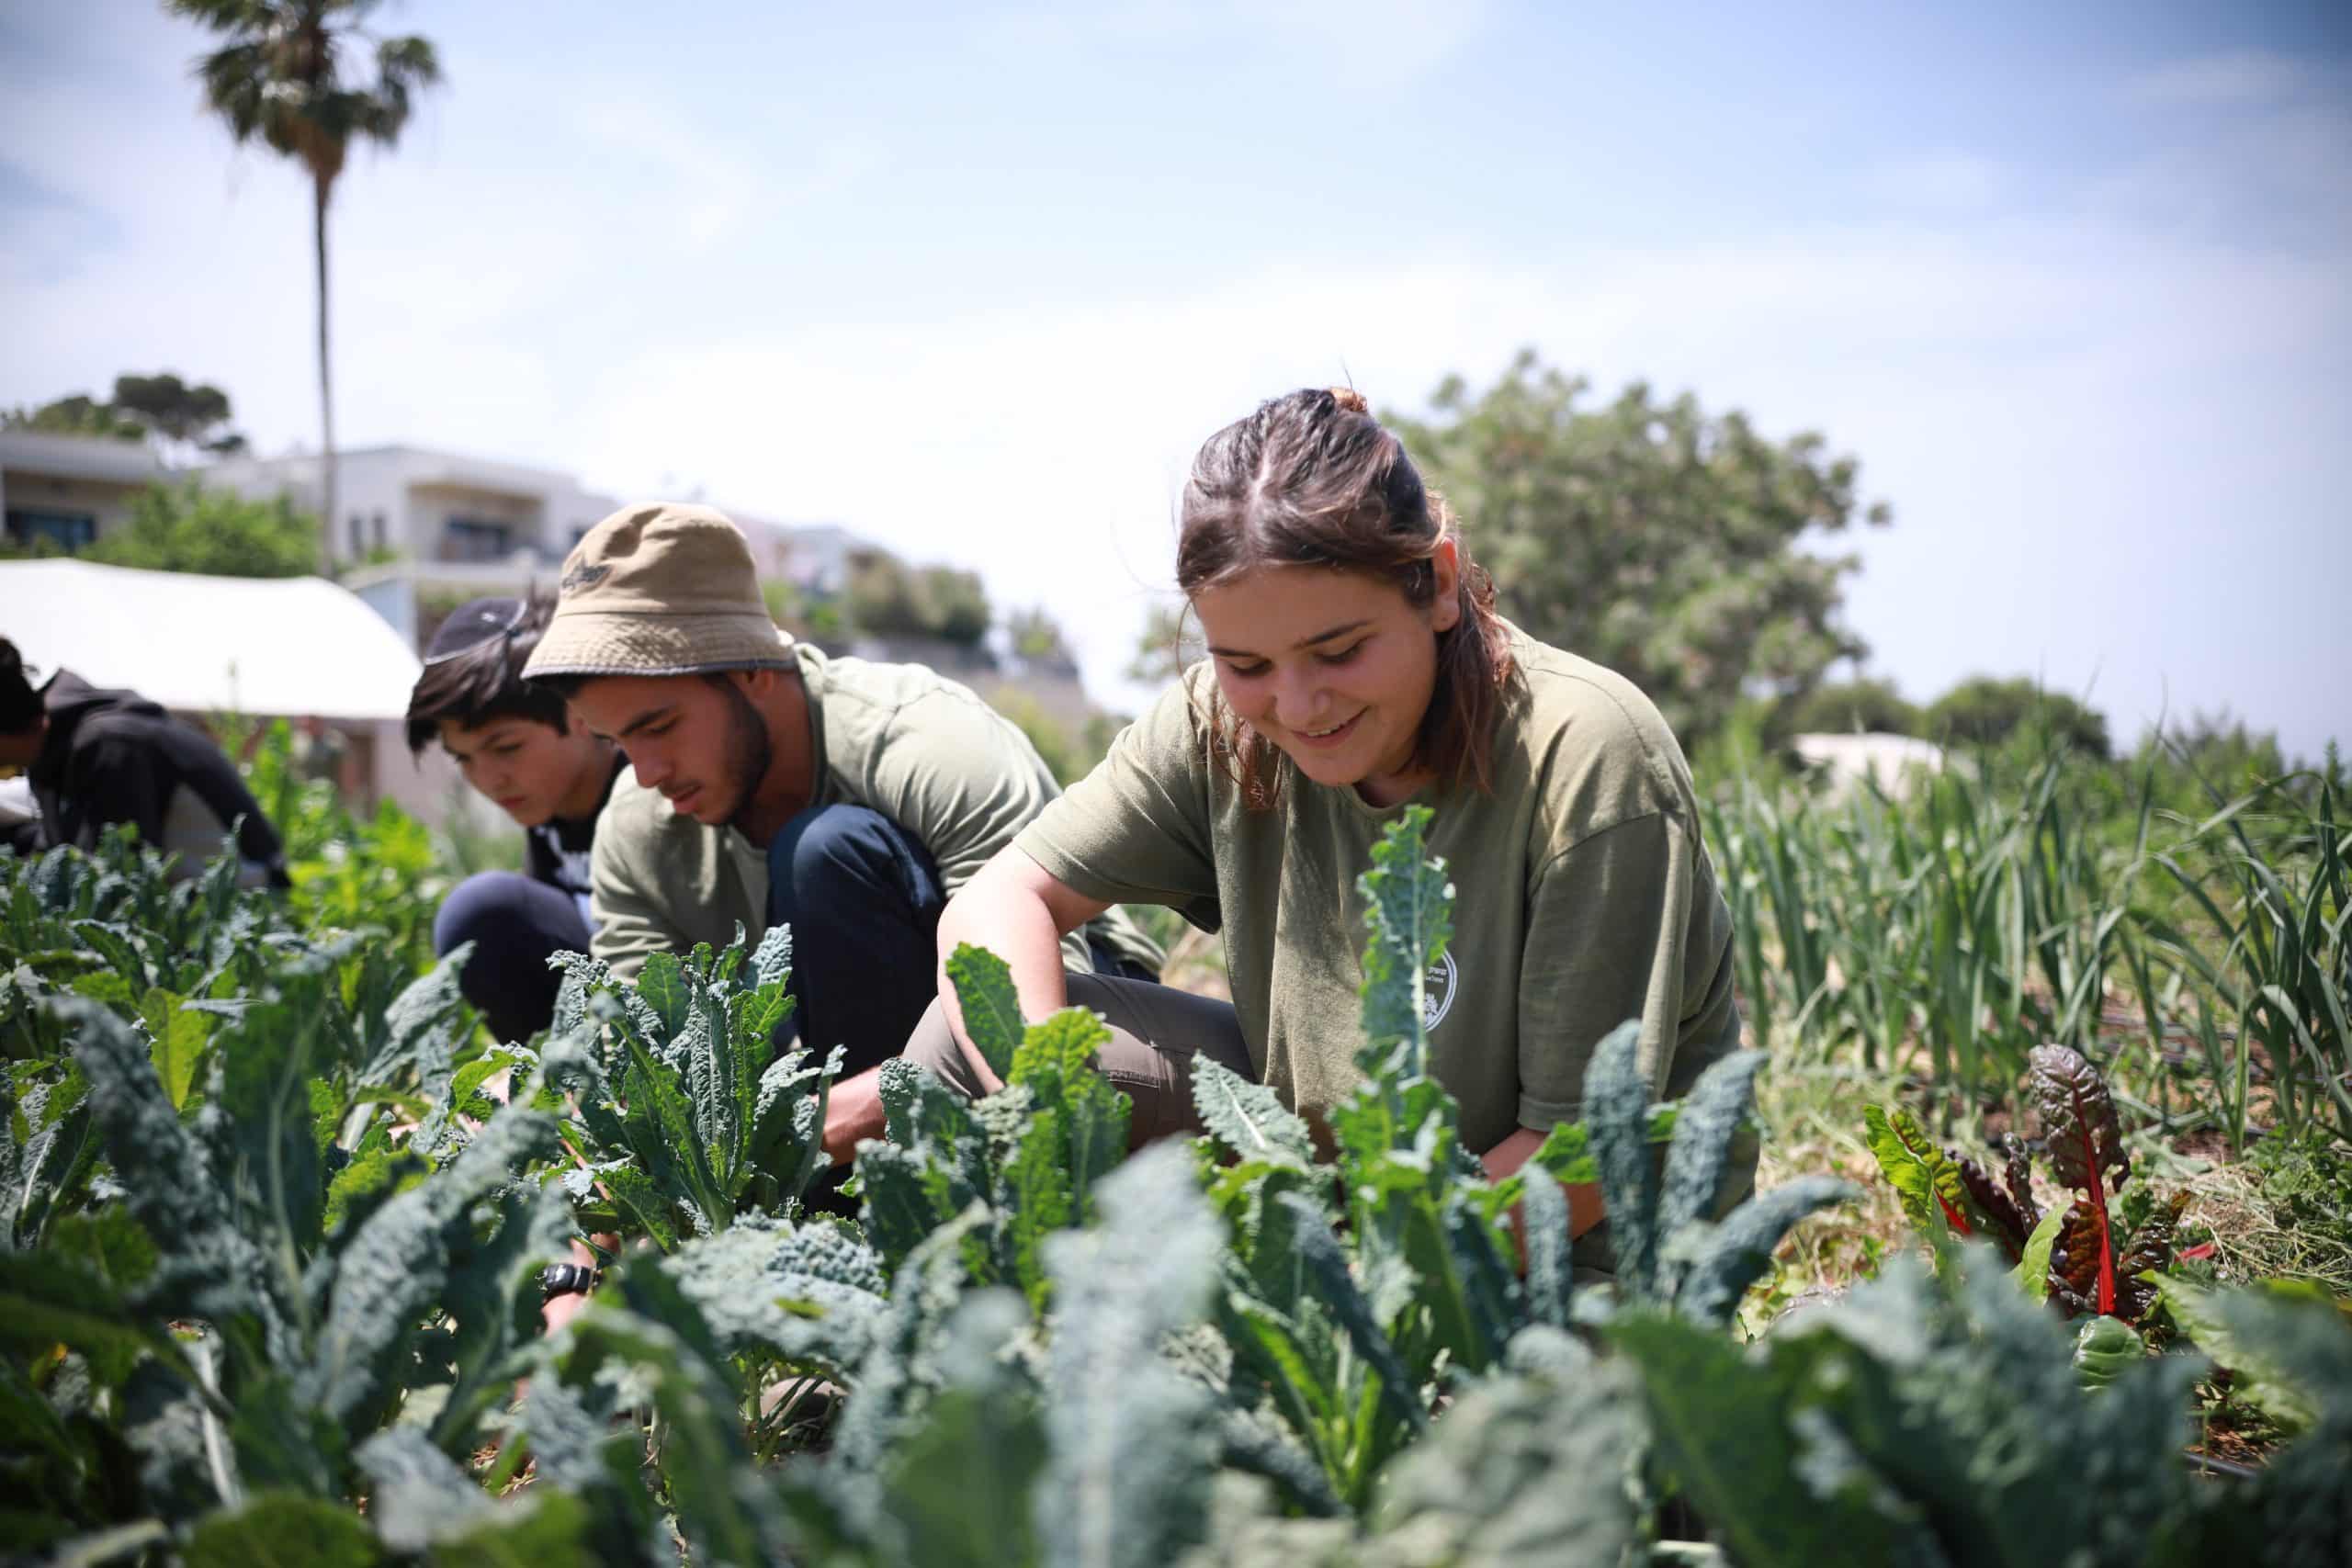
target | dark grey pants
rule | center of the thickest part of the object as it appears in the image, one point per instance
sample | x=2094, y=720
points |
x=1156, y=1030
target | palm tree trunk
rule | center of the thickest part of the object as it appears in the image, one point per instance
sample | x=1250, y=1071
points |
x=326, y=381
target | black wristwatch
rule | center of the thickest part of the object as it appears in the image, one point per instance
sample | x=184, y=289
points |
x=566, y=1279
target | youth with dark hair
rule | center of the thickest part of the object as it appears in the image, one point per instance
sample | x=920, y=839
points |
x=1357, y=665
x=517, y=745
x=95, y=757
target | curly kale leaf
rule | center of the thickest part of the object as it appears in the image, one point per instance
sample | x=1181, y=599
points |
x=1131, y=1439
x=1248, y=1119
x=1616, y=1103
x=992, y=1009
x=1408, y=906
x=208, y=1265
x=810, y=1293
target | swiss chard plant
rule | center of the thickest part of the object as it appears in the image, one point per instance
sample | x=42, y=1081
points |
x=2082, y=1256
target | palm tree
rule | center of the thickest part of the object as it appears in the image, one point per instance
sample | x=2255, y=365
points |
x=281, y=77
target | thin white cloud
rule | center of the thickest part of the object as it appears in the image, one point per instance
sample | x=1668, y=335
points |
x=2240, y=77
x=1949, y=181
x=2015, y=393
x=1372, y=44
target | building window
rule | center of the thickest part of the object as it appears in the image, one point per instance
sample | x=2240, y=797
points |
x=68, y=531
x=358, y=535
x=474, y=538
x=380, y=534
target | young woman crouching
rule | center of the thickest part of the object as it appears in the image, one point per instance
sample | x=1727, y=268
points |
x=1357, y=665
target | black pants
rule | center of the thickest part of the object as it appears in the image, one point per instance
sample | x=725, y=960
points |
x=516, y=924
x=863, y=899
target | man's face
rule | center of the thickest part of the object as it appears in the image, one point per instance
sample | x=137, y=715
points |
x=700, y=742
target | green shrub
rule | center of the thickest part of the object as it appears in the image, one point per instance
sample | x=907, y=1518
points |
x=185, y=527
x=1985, y=711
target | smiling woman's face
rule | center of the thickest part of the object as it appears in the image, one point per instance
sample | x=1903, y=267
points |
x=1336, y=667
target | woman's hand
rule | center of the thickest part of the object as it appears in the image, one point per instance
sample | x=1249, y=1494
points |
x=1018, y=910
x=1508, y=1157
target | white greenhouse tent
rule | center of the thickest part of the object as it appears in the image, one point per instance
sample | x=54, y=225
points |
x=1896, y=762
x=295, y=647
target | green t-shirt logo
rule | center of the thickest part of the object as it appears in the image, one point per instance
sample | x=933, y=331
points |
x=1437, y=991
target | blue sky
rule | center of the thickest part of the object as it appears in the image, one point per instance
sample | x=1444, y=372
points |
x=2074, y=284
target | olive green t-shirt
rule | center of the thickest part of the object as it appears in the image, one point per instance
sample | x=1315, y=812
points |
x=1582, y=895
x=898, y=739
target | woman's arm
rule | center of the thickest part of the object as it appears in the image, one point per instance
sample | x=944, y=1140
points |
x=1017, y=911
x=1509, y=1155
x=1020, y=911
x=1123, y=827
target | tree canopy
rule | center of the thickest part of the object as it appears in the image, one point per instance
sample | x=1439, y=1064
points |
x=1842, y=707
x=174, y=414
x=1037, y=638
x=886, y=597
x=1651, y=536
x=1984, y=710
x=79, y=415
x=1170, y=639
x=185, y=527
x=194, y=415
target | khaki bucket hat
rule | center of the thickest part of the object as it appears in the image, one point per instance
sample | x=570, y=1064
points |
x=660, y=589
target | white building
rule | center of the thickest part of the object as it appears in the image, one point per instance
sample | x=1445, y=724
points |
x=817, y=557
x=420, y=532
x=71, y=490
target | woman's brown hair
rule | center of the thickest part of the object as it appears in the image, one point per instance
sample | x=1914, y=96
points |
x=1312, y=479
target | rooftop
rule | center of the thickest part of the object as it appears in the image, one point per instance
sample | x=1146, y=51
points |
x=80, y=456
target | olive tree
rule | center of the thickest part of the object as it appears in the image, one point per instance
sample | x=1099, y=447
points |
x=1650, y=536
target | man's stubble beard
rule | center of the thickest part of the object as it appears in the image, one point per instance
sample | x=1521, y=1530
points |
x=750, y=753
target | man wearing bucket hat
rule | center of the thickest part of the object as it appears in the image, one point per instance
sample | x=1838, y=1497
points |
x=772, y=784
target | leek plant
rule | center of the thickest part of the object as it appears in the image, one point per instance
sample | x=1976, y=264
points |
x=2278, y=914
x=1977, y=921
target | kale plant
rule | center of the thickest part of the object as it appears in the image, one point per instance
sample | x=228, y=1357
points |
x=245, y=1297
x=1349, y=1342
x=1026, y=1160
x=1942, y=1420
x=681, y=1113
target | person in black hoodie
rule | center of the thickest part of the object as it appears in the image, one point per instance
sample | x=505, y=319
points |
x=95, y=757
x=517, y=745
